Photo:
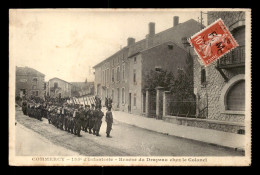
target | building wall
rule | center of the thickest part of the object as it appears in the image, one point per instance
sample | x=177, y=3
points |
x=163, y=57
x=135, y=88
x=186, y=29
x=105, y=86
x=26, y=82
x=65, y=88
x=215, y=82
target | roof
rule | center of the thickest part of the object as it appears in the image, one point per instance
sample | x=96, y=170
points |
x=145, y=50
x=27, y=71
x=59, y=79
x=123, y=49
x=177, y=32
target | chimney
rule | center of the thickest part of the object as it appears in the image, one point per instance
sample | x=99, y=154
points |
x=175, y=21
x=151, y=28
x=130, y=41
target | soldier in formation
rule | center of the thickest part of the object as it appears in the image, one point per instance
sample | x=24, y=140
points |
x=70, y=117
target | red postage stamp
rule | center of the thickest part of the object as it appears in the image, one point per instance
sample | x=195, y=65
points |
x=213, y=42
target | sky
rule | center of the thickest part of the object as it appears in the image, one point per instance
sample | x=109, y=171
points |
x=67, y=43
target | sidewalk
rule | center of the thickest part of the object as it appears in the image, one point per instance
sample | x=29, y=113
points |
x=225, y=139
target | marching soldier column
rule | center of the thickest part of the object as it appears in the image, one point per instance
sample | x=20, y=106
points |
x=70, y=117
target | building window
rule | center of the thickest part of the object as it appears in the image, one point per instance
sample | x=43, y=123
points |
x=203, y=76
x=55, y=85
x=112, y=75
x=123, y=95
x=170, y=47
x=134, y=59
x=118, y=97
x=235, y=99
x=118, y=73
x=34, y=80
x=108, y=74
x=118, y=59
x=123, y=71
x=103, y=77
x=34, y=87
x=134, y=99
x=107, y=93
x=112, y=94
x=134, y=76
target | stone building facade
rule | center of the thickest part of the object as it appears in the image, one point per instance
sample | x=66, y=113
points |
x=120, y=76
x=222, y=83
x=59, y=88
x=29, y=82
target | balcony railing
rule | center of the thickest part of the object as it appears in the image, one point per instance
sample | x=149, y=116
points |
x=234, y=58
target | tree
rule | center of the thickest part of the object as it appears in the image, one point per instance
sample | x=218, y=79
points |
x=161, y=78
x=180, y=87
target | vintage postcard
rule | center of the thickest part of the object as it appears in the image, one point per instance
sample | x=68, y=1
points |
x=130, y=87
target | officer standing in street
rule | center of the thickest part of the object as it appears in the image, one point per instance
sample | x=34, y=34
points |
x=109, y=120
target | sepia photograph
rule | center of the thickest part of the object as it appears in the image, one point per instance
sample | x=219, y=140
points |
x=130, y=87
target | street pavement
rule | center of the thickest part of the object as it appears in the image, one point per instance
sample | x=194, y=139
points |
x=127, y=140
x=220, y=138
x=30, y=143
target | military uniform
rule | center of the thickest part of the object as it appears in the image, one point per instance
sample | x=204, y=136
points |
x=71, y=122
x=86, y=119
x=77, y=123
x=66, y=120
x=91, y=119
x=98, y=122
x=61, y=119
x=29, y=109
x=109, y=120
x=49, y=114
x=24, y=107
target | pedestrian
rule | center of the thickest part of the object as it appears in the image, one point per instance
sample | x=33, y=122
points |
x=109, y=120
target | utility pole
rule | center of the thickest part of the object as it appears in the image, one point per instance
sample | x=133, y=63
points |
x=201, y=19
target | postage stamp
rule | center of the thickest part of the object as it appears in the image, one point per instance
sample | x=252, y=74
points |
x=138, y=94
x=213, y=42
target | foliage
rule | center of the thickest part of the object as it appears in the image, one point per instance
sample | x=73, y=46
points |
x=180, y=87
x=160, y=78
